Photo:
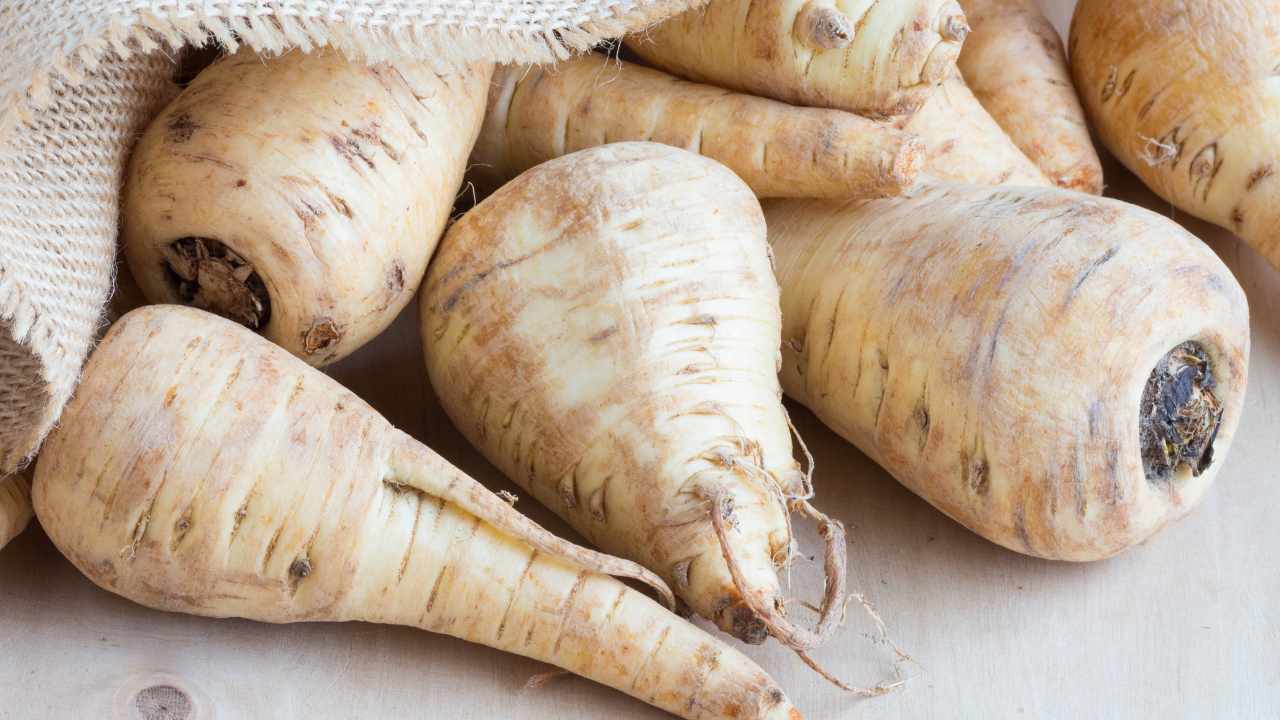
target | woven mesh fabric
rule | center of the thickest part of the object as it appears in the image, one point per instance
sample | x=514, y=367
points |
x=60, y=173
x=78, y=80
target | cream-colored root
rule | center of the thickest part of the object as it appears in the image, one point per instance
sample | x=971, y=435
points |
x=15, y=506
x=257, y=196
x=604, y=330
x=250, y=485
x=1184, y=94
x=539, y=113
x=469, y=495
x=873, y=57
x=993, y=349
x=1015, y=64
x=964, y=144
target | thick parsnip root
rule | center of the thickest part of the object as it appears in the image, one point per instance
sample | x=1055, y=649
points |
x=605, y=329
x=15, y=506
x=1062, y=374
x=536, y=114
x=1184, y=94
x=300, y=196
x=201, y=469
x=964, y=144
x=1015, y=65
x=874, y=57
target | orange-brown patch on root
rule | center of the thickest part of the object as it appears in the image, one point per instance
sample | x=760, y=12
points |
x=323, y=333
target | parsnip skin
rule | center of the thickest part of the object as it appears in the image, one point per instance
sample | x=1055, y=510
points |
x=1184, y=94
x=201, y=469
x=1015, y=64
x=964, y=144
x=877, y=58
x=15, y=506
x=538, y=113
x=604, y=329
x=991, y=347
x=330, y=183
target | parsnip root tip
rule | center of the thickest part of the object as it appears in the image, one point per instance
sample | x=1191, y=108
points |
x=823, y=27
x=771, y=612
x=954, y=27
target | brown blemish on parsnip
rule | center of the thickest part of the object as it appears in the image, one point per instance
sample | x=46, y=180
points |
x=323, y=333
x=180, y=126
x=395, y=277
x=339, y=204
x=1261, y=173
x=351, y=150
x=199, y=158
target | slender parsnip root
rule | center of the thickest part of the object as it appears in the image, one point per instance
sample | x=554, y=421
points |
x=964, y=144
x=1062, y=374
x=15, y=506
x=1185, y=95
x=1015, y=65
x=201, y=469
x=300, y=196
x=538, y=113
x=605, y=329
x=874, y=57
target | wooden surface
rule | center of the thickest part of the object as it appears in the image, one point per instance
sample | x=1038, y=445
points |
x=1187, y=625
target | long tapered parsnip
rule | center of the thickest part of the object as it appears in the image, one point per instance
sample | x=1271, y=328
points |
x=964, y=144
x=1185, y=95
x=201, y=469
x=538, y=113
x=873, y=57
x=1062, y=374
x=605, y=329
x=301, y=196
x=15, y=506
x=1015, y=65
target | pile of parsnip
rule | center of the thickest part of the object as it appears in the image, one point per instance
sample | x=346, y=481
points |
x=614, y=323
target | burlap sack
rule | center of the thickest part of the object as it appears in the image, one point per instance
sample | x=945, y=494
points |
x=79, y=78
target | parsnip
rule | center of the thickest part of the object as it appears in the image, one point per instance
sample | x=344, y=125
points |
x=301, y=196
x=1184, y=94
x=964, y=144
x=15, y=506
x=873, y=57
x=538, y=113
x=201, y=469
x=1062, y=374
x=1015, y=65
x=605, y=329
